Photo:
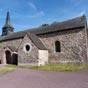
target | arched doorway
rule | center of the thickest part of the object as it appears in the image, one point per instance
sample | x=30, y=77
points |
x=11, y=59
x=8, y=57
x=15, y=59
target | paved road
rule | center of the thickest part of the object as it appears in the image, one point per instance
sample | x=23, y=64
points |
x=23, y=78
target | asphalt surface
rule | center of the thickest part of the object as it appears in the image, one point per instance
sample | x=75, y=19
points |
x=24, y=78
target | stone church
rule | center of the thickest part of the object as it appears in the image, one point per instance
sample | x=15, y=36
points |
x=62, y=42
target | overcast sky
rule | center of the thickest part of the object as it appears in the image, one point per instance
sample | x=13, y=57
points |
x=26, y=14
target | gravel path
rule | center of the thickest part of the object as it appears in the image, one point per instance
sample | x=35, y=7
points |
x=24, y=78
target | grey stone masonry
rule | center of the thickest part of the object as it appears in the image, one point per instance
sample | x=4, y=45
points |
x=16, y=43
x=73, y=46
x=30, y=57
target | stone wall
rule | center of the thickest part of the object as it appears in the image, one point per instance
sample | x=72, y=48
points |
x=28, y=57
x=87, y=42
x=73, y=46
x=24, y=58
x=15, y=42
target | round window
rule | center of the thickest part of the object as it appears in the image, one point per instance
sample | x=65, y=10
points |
x=27, y=47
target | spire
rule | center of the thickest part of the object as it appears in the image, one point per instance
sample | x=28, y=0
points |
x=8, y=23
x=8, y=19
x=7, y=28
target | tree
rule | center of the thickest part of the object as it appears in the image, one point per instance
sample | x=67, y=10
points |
x=44, y=24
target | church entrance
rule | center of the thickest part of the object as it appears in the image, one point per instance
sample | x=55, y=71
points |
x=15, y=59
x=8, y=57
x=11, y=59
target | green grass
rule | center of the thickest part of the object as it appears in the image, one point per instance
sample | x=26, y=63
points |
x=48, y=67
x=55, y=67
x=63, y=67
x=25, y=67
x=6, y=69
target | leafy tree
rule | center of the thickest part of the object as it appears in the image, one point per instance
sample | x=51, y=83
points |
x=44, y=24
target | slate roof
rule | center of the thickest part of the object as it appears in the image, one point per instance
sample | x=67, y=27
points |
x=60, y=26
x=36, y=41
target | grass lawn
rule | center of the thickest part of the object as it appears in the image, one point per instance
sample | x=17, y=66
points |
x=48, y=67
x=55, y=67
x=5, y=69
x=63, y=67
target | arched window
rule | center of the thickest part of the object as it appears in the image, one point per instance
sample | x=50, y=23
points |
x=57, y=46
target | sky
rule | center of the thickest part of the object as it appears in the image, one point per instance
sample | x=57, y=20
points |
x=27, y=14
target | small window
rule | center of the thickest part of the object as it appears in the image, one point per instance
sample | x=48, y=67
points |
x=27, y=47
x=57, y=46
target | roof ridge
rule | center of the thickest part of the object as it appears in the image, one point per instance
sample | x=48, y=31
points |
x=82, y=17
x=60, y=26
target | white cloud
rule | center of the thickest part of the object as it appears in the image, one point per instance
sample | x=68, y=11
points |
x=76, y=2
x=38, y=14
x=32, y=5
x=82, y=13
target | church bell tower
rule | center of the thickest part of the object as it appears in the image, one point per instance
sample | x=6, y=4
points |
x=7, y=28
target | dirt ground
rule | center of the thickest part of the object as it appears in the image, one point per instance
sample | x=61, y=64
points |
x=24, y=78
